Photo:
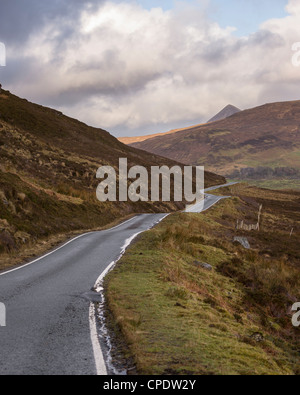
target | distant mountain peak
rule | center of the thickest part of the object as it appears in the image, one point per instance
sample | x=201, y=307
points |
x=225, y=113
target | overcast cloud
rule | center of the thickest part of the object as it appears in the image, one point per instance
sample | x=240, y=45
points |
x=132, y=71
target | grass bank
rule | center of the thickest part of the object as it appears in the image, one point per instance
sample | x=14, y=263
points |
x=276, y=184
x=180, y=318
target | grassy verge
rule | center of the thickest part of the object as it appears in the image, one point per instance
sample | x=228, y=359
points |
x=178, y=317
x=276, y=184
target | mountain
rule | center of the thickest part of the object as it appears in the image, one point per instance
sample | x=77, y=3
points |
x=260, y=143
x=48, y=165
x=225, y=113
x=139, y=139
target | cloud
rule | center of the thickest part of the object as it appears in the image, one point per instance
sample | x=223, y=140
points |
x=20, y=18
x=129, y=69
x=293, y=7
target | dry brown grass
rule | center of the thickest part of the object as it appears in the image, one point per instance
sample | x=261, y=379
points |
x=265, y=136
x=48, y=165
x=236, y=319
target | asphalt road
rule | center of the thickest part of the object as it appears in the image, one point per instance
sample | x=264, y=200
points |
x=210, y=200
x=47, y=304
x=48, y=328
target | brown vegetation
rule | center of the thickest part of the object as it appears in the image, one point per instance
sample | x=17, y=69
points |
x=48, y=165
x=265, y=140
x=179, y=317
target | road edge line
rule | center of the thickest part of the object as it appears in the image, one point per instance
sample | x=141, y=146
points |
x=59, y=248
x=98, y=355
x=97, y=349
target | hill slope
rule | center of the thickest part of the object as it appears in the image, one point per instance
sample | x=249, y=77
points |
x=227, y=112
x=259, y=143
x=48, y=165
x=235, y=318
x=139, y=139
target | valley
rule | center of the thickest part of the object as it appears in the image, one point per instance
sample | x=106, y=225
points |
x=259, y=145
x=48, y=166
x=149, y=190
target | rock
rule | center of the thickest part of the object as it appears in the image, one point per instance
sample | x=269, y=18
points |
x=203, y=265
x=243, y=241
x=258, y=337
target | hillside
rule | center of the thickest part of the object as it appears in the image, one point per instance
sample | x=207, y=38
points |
x=48, y=165
x=260, y=143
x=139, y=139
x=235, y=317
x=227, y=112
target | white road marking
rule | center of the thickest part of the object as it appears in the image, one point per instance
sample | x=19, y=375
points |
x=59, y=248
x=98, y=354
x=123, y=223
x=197, y=208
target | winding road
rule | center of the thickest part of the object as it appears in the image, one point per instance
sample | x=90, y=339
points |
x=48, y=330
x=209, y=200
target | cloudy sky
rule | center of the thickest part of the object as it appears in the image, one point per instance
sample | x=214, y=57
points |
x=141, y=66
